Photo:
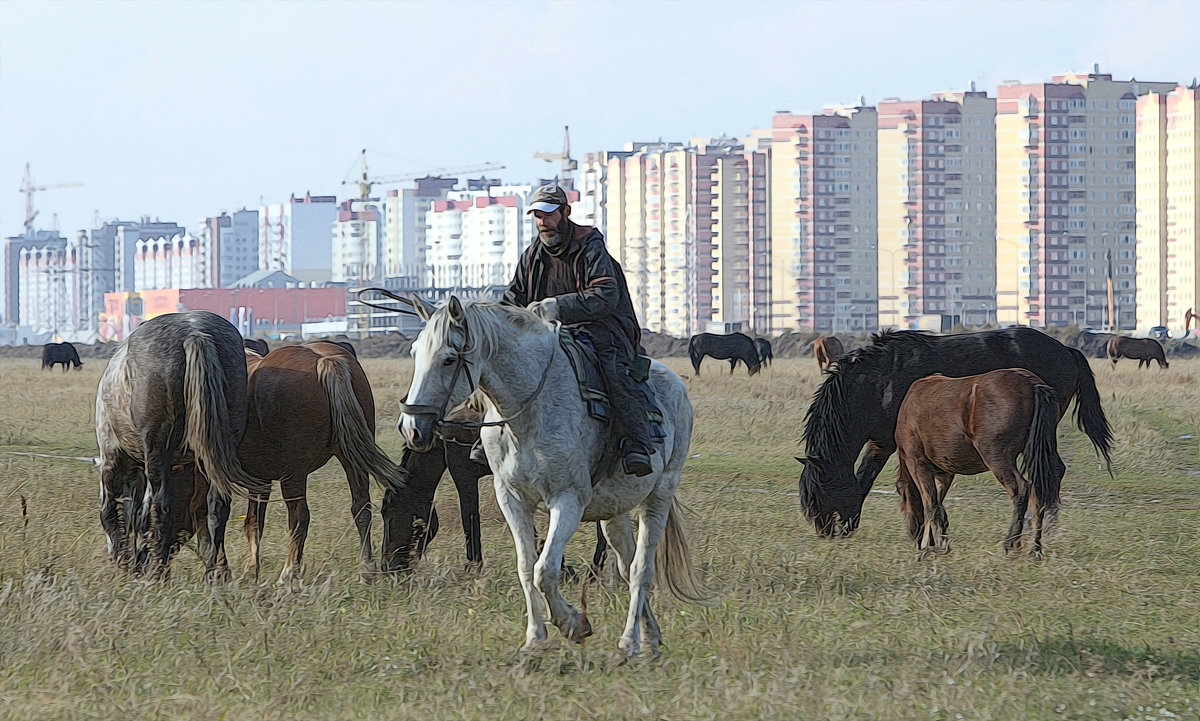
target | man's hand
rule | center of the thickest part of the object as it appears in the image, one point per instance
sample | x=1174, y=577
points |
x=546, y=309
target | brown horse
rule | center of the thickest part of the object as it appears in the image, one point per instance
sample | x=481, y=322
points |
x=969, y=425
x=827, y=349
x=308, y=403
x=1143, y=349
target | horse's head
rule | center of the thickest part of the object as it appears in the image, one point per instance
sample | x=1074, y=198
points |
x=441, y=379
x=829, y=497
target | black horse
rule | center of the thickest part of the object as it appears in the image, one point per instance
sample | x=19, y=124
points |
x=258, y=345
x=858, y=403
x=765, y=356
x=734, y=347
x=65, y=353
x=410, y=521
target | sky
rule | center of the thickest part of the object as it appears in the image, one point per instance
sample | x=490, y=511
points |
x=179, y=110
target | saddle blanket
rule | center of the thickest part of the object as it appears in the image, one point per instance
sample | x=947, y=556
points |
x=593, y=387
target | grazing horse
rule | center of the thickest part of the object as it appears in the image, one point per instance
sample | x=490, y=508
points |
x=734, y=347
x=410, y=521
x=765, y=356
x=1143, y=349
x=968, y=425
x=309, y=403
x=65, y=353
x=173, y=394
x=545, y=450
x=858, y=402
x=827, y=349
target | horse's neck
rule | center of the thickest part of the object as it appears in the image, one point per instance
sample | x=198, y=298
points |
x=510, y=378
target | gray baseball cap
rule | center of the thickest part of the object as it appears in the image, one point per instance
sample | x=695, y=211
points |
x=547, y=199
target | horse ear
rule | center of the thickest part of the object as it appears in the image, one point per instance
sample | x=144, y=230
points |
x=424, y=310
x=455, y=308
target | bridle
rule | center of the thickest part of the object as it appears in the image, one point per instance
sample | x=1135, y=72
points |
x=462, y=365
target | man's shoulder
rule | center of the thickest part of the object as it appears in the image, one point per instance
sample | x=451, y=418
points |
x=586, y=234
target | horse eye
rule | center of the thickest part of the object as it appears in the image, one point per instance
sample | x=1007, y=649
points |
x=449, y=361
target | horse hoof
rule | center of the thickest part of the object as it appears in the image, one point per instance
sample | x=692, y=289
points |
x=578, y=628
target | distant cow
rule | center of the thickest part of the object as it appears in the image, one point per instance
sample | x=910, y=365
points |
x=258, y=345
x=1143, y=349
x=765, y=356
x=55, y=353
x=827, y=349
x=735, y=347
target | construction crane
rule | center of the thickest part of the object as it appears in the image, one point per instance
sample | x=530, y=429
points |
x=28, y=189
x=566, y=175
x=366, y=182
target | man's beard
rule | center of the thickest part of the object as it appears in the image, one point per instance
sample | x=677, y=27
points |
x=557, y=236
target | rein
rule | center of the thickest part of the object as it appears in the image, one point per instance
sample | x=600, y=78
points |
x=463, y=365
x=389, y=294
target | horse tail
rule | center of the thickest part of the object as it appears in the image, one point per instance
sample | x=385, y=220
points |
x=1041, y=460
x=208, y=421
x=1089, y=415
x=695, y=354
x=351, y=432
x=674, y=561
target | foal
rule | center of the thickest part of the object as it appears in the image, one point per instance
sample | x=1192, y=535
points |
x=969, y=425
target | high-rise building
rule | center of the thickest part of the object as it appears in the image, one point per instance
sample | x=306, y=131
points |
x=231, y=243
x=937, y=210
x=1168, y=205
x=1065, y=165
x=475, y=237
x=823, y=220
x=357, y=243
x=405, y=225
x=297, y=237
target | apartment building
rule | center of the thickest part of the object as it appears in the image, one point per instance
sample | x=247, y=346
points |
x=475, y=238
x=1168, y=175
x=1065, y=189
x=296, y=236
x=823, y=226
x=937, y=210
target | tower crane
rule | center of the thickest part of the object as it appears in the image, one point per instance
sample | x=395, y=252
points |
x=28, y=189
x=365, y=182
x=569, y=165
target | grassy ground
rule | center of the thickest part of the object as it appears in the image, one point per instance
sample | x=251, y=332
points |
x=1104, y=628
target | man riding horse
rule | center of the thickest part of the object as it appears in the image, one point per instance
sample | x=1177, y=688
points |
x=566, y=274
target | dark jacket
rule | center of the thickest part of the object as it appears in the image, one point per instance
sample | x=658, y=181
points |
x=588, y=282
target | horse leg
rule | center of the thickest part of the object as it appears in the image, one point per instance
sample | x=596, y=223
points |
x=216, y=564
x=360, y=510
x=600, y=553
x=652, y=521
x=256, y=518
x=619, y=532
x=873, y=461
x=732, y=365
x=1018, y=495
x=116, y=472
x=466, y=474
x=923, y=473
x=910, y=500
x=158, y=474
x=520, y=523
x=942, y=481
x=565, y=515
x=294, y=489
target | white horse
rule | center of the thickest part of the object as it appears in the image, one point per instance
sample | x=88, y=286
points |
x=543, y=446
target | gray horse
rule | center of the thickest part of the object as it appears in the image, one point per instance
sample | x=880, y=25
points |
x=545, y=450
x=172, y=395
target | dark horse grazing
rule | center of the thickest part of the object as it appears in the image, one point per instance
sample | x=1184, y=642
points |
x=65, y=353
x=174, y=393
x=969, y=425
x=309, y=403
x=858, y=402
x=734, y=347
x=410, y=521
x=826, y=350
x=765, y=356
x=1143, y=349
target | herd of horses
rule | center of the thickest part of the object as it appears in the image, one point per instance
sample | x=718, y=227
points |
x=188, y=415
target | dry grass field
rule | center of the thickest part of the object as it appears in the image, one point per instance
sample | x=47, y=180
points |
x=1104, y=628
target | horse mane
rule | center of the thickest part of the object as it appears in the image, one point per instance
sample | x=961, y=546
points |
x=826, y=423
x=486, y=321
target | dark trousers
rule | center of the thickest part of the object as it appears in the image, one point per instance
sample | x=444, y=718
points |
x=614, y=353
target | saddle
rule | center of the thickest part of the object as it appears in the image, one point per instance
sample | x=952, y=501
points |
x=593, y=386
